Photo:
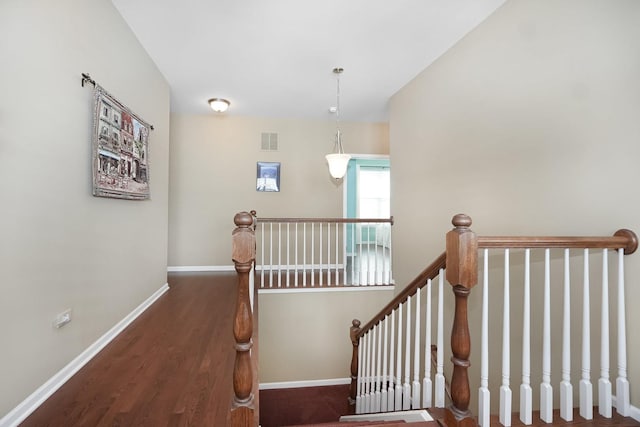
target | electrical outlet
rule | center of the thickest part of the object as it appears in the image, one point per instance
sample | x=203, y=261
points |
x=62, y=319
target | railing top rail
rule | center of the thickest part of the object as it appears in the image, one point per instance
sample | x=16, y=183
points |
x=326, y=220
x=625, y=239
x=420, y=281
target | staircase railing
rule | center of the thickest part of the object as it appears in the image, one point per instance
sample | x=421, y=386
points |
x=323, y=252
x=390, y=353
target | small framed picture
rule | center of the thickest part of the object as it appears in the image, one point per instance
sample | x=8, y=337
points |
x=268, y=176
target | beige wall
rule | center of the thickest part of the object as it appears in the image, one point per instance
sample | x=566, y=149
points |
x=60, y=246
x=213, y=176
x=530, y=125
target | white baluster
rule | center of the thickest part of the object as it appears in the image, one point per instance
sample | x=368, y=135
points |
x=328, y=254
x=566, y=389
x=546, y=390
x=526, y=393
x=374, y=385
x=384, y=403
x=288, y=258
x=623, y=404
x=426, y=382
x=398, y=400
x=505, y=389
x=337, y=258
x=279, y=255
x=304, y=254
x=415, y=391
x=367, y=392
x=604, y=384
x=370, y=271
x=320, y=255
x=296, y=256
x=440, y=390
x=271, y=255
x=354, y=280
x=586, y=388
x=360, y=379
x=390, y=257
x=406, y=389
x=361, y=279
x=484, y=397
x=392, y=351
x=313, y=258
x=378, y=403
x=262, y=255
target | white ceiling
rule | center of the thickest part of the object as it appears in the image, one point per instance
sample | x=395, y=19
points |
x=275, y=58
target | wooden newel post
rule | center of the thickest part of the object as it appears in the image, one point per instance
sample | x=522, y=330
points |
x=462, y=274
x=355, y=342
x=243, y=255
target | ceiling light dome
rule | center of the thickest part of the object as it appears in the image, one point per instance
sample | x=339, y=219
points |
x=219, y=105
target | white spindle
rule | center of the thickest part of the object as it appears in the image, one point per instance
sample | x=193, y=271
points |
x=546, y=390
x=288, y=253
x=484, y=397
x=369, y=269
x=279, y=255
x=313, y=258
x=304, y=254
x=361, y=278
x=367, y=393
x=426, y=382
x=295, y=280
x=398, y=392
x=354, y=281
x=392, y=352
x=384, y=403
x=359, y=391
x=586, y=388
x=374, y=380
x=406, y=387
x=623, y=404
x=440, y=389
x=328, y=254
x=526, y=393
x=604, y=384
x=271, y=255
x=415, y=391
x=378, y=397
x=337, y=259
x=320, y=255
x=505, y=389
x=566, y=389
x=262, y=255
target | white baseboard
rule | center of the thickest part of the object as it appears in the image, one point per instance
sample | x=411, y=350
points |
x=634, y=413
x=307, y=383
x=187, y=268
x=31, y=403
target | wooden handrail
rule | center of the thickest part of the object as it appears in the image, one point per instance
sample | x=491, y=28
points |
x=418, y=283
x=625, y=239
x=328, y=220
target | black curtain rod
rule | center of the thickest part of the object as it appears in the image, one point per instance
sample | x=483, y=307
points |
x=86, y=78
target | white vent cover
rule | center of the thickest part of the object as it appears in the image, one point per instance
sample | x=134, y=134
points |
x=269, y=141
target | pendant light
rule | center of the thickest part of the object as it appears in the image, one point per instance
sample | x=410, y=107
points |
x=338, y=160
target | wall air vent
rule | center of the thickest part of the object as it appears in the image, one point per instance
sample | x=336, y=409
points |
x=269, y=141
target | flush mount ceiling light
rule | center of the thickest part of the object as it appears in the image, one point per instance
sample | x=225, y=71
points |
x=219, y=105
x=337, y=160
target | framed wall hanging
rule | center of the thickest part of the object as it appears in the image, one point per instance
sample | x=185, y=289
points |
x=120, y=150
x=268, y=176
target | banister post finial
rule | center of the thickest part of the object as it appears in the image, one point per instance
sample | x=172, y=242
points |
x=461, y=221
x=355, y=342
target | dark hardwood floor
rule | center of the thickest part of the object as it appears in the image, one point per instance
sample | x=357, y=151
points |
x=171, y=367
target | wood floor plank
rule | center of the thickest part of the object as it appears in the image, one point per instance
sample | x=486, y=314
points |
x=171, y=367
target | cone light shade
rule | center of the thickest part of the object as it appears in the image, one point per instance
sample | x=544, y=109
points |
x=338, y=164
